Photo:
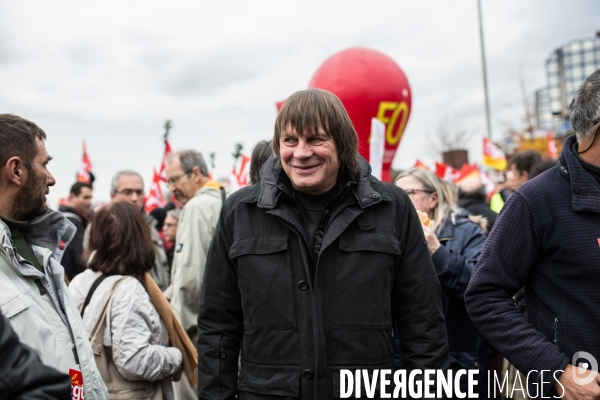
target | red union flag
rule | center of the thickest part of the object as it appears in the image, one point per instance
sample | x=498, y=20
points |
x=467, y=171
x=83, y=175
x=489, y=184
x=492, y=155
x=155, y=198
x=162, y=173
x=552, y=152
x=446, y=172
x=240, y=178
x=419, y=164
x=76, y=384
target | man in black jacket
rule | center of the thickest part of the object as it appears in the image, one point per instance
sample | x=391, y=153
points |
x=547, y=239
x=472, y=197
x=308, y=268
x=77, y=211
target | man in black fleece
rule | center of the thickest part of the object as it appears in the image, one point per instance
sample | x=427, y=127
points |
x=548, y=239
x=77, y=211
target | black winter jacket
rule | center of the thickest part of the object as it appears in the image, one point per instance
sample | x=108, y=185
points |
x=22, y=374
x=479, y=207
x=295, y=330
x=72, y=261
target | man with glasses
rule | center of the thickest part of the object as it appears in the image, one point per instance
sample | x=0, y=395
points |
x=189, y=183
x=128, y=186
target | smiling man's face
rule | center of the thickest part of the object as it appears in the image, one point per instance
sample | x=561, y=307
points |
x=310, y=161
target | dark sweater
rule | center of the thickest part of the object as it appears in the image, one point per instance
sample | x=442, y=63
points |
x=311, y=210
x=546, y=238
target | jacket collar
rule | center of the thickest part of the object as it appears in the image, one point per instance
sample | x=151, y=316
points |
x=210, y=185
x=366, y=189
x=451, y=220
x=469, y=201
x=584, y=188
x=68, y=209
x=50, y=230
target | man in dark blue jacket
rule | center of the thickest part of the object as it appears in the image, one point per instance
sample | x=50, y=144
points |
x=547, y=238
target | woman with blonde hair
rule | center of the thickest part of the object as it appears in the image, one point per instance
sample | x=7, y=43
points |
x=455, y=241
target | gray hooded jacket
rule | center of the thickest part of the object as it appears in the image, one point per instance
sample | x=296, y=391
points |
x=38, y=305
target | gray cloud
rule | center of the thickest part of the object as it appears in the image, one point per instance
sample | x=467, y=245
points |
x=112, y=72
x=210, y=73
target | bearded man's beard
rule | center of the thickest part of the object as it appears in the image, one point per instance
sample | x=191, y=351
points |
x=29, y=202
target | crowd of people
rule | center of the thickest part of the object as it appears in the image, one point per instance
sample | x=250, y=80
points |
x=317, y=266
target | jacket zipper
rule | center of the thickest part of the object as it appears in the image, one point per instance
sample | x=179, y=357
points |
x=556, y=331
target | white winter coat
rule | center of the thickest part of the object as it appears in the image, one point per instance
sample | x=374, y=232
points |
x=194, y=233
x=38, y=305
x=134, y=331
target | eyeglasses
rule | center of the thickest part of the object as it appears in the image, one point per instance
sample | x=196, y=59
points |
x=129, y=192
x=169, y=225
x=174, y=179
x=410, y=192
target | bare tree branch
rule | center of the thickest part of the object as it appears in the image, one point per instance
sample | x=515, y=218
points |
x=449, y=135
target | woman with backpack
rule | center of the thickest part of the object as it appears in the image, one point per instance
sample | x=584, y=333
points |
x=126, y=327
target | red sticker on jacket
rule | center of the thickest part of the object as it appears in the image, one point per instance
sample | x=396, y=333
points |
x=76, y=384
x=61, y=245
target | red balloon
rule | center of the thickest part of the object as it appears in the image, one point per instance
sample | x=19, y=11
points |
x=370, y=85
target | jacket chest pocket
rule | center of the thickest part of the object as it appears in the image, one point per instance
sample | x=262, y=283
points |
x=13, y=301
x=265, y=281
x=363, y=280
x=13, y=306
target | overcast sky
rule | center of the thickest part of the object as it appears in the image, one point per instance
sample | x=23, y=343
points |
x=112, y=72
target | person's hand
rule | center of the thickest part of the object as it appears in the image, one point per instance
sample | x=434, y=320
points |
x=432, y=241
x=176, y=376
x=574, y=386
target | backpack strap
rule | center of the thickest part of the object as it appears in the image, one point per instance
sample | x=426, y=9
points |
x=223, y=195
x=95, y=285
x=95, y=335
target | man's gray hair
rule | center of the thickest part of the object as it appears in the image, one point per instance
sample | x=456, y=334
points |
x=175, y=213
x=114, y=184
x=190, y=159
x=585, y=108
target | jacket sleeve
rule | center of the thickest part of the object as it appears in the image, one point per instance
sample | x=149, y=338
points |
x=159, y=271
x=454, y=267
x=510, y=253
x=22, y=374
x=194, y=234
x=416, y=296
x=133, y=321
x=220, y=320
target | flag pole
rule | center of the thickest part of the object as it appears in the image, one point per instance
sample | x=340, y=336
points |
x=483, y=64
x=168, y=126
